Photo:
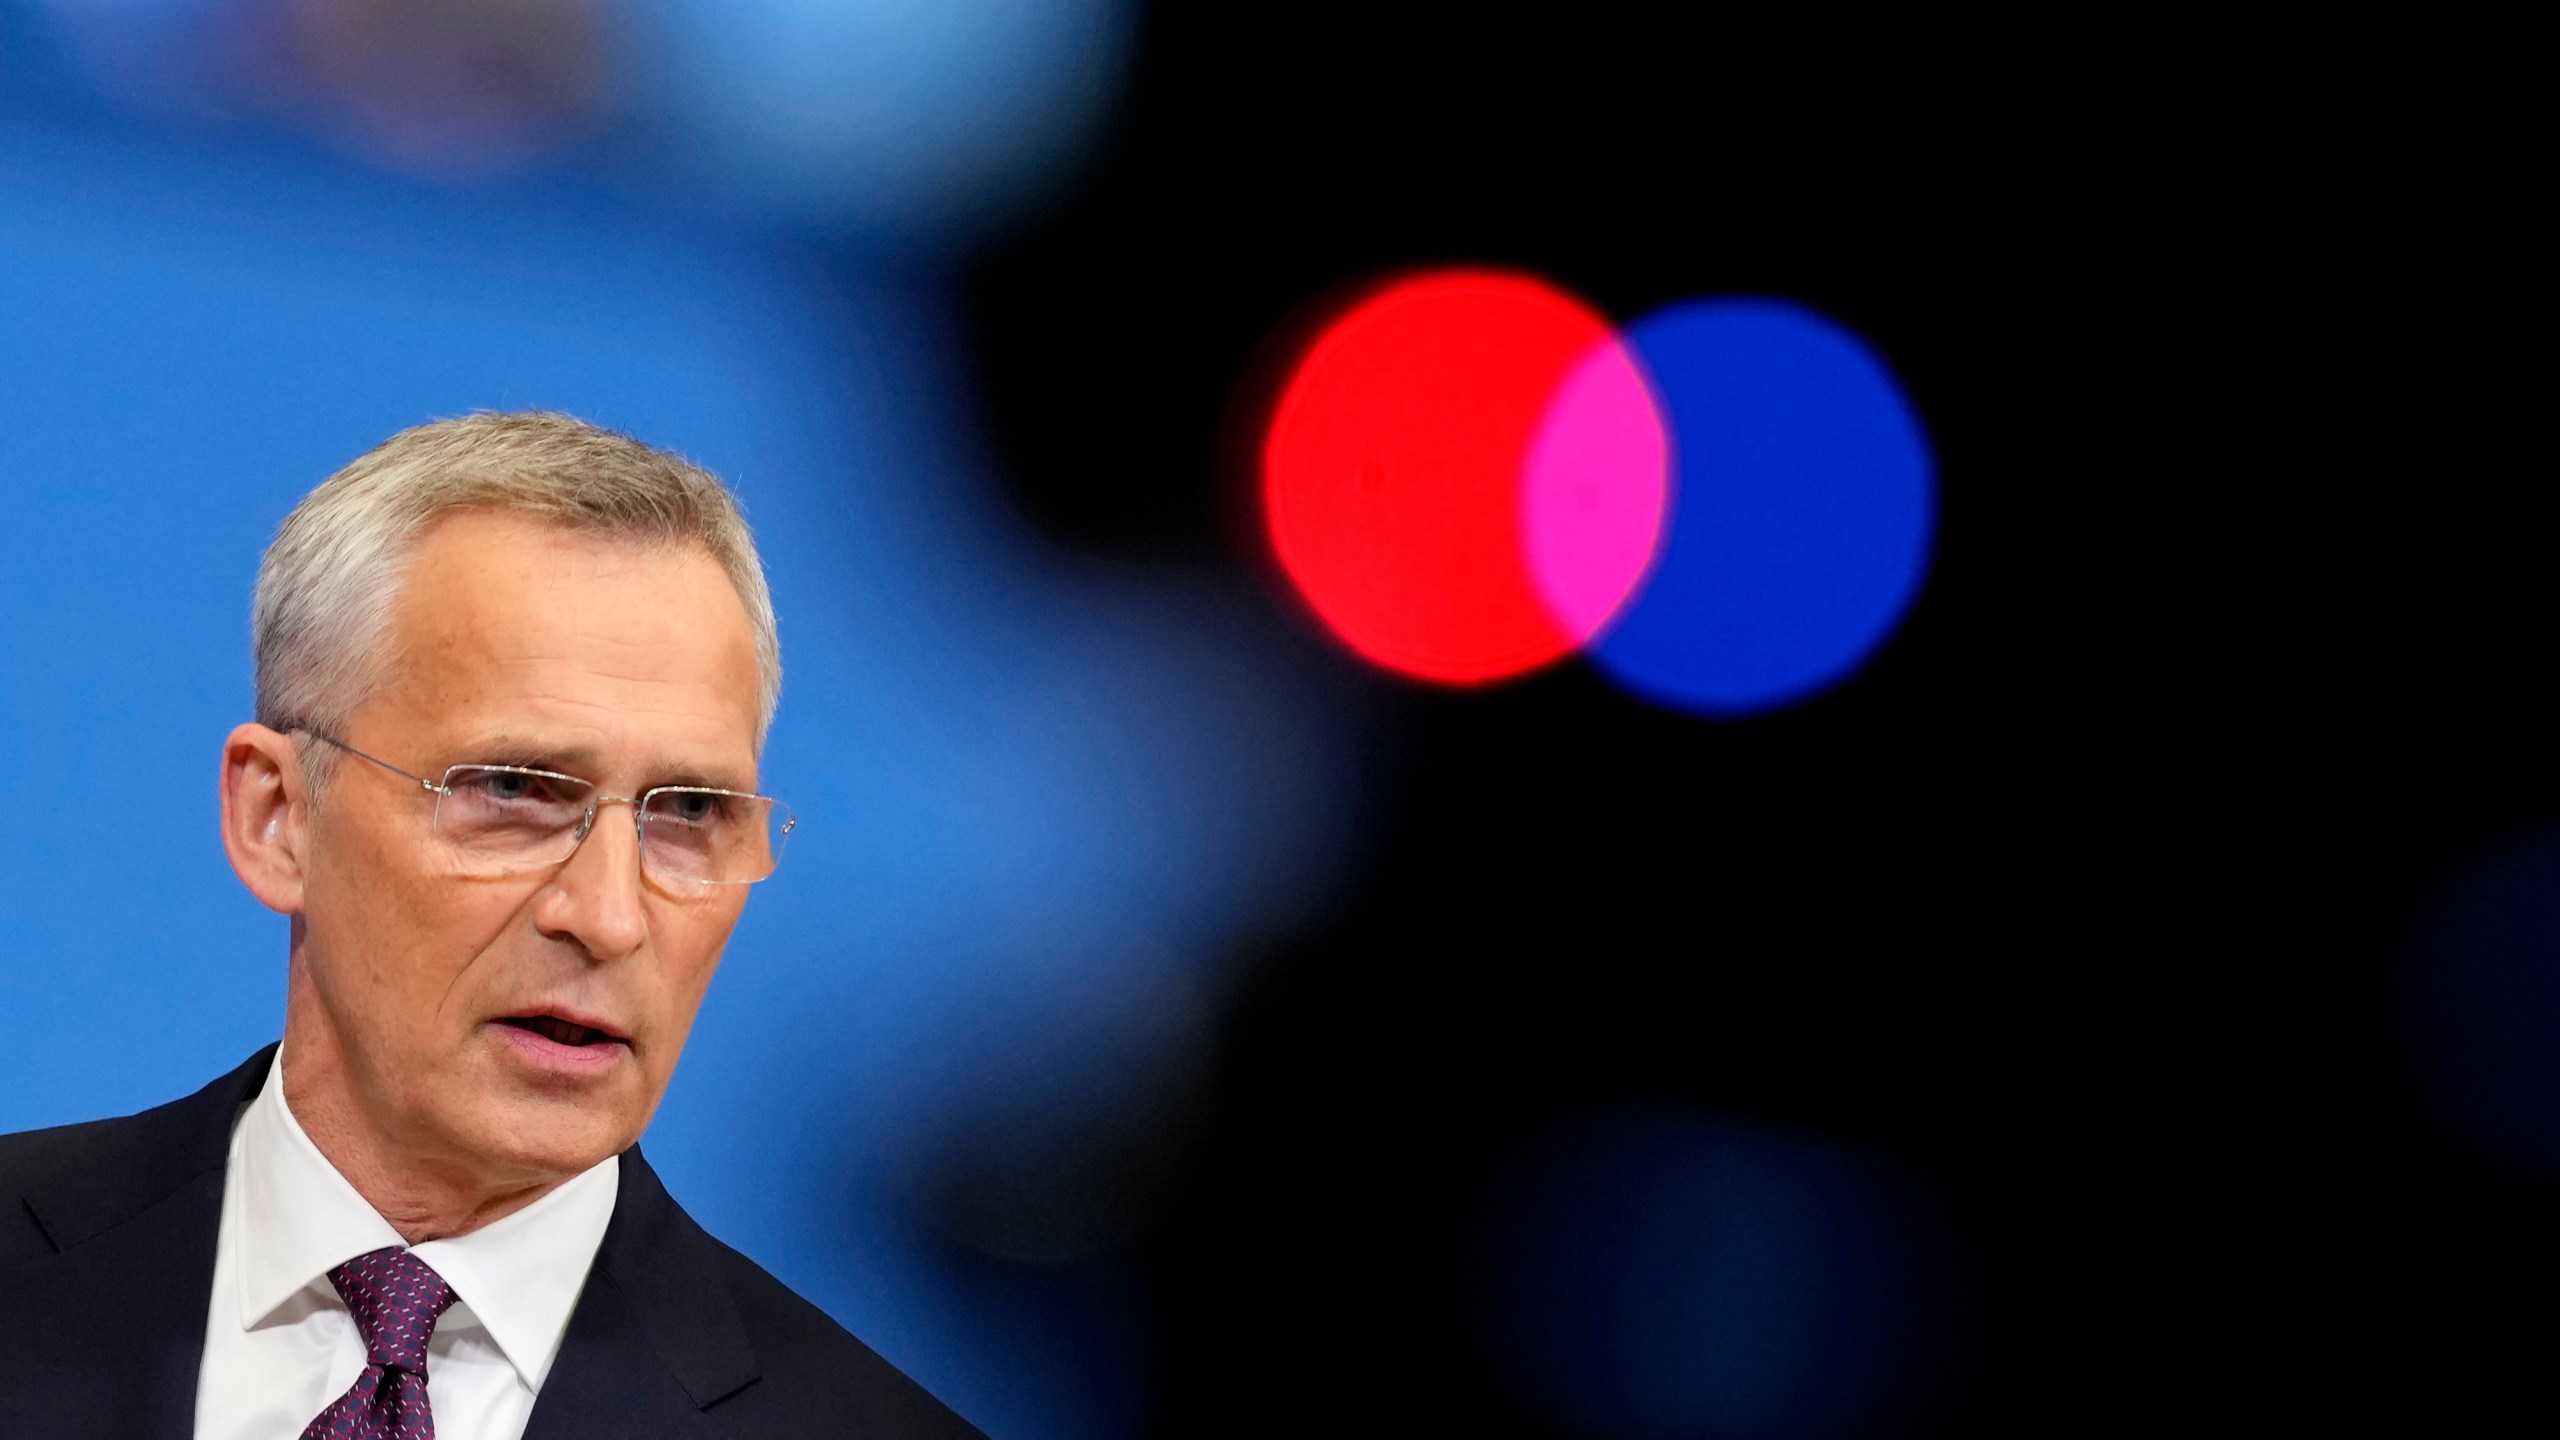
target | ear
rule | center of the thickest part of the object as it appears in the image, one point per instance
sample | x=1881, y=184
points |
x=265, y=815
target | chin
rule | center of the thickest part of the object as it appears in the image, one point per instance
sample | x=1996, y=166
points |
x=547, y=1136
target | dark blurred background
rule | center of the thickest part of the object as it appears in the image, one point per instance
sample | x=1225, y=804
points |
x=2134, y=994
x=1893, y=914
x=2091, y=899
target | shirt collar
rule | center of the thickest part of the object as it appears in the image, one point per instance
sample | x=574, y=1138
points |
x=520, y=1276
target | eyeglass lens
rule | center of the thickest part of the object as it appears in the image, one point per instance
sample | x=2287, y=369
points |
x=505, y=818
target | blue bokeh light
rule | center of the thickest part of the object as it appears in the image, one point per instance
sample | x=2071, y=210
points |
x=1802, y=509
x=891, y=117
x=1647, y=1272
x=2481, y=1003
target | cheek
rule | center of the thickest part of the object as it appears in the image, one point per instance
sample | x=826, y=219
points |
x=689, y=946
x=398, y=940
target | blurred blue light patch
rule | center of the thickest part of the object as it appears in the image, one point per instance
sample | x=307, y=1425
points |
x=906, y=118
x=908, y=124
x=1802, y=510
x=1040, y=805
x=1652, y=1273
x=2481, y=1003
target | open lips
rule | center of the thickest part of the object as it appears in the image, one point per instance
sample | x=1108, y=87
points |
x=564, y=1032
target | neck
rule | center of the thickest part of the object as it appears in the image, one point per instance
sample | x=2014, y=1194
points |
x=423, y=1191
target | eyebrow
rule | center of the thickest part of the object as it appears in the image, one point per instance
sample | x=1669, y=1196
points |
x=583, y=761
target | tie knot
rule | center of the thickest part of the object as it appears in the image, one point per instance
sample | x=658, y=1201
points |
x=396, y=1298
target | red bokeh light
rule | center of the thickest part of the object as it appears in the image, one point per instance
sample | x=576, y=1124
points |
x=1392, y=471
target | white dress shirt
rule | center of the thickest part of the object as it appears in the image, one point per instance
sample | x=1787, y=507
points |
x=279, y=1344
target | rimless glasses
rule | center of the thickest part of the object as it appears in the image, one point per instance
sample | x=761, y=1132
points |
x=502, y=819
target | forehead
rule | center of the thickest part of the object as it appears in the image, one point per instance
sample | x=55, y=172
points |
x=507, y=626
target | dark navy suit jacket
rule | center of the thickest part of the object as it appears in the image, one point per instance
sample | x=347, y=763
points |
x=107, y=1235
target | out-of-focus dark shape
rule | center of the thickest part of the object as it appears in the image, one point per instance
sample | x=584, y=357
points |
x=446, y=85
x=2482, y=1005
x=1057, y=1152
x=1650, y=1273
x=1806, y=502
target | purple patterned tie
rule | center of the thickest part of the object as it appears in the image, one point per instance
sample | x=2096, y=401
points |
x=396, y=1300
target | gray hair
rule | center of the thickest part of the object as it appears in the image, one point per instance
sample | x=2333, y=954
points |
x=328, y=584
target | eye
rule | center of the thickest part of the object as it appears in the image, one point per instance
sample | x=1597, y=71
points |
x=511, y=787
x=692, y=807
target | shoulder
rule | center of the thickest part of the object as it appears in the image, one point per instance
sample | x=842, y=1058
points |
x=33, y=1153
x=758, y=1358
x=815, y=1366
x=37, y=1162
x=61, y=1186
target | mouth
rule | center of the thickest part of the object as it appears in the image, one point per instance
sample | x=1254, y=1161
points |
x=564, y=1032
x=556, y=1045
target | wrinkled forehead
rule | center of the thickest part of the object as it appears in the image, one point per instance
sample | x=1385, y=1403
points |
x=629, y=655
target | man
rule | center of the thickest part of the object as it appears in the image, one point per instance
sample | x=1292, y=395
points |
x=513, y=676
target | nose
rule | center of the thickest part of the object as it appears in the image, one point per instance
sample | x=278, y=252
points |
x=594, y=899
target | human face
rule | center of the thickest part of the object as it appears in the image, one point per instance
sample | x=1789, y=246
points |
x=438, y=1002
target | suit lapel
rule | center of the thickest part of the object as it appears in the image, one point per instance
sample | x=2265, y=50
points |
x=656, y=1339
x=608, y=1381
x=104, y=1337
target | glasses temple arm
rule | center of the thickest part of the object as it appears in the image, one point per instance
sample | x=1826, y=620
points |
x=423, y=783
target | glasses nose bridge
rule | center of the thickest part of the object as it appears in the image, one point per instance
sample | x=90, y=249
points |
x=595, y=804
